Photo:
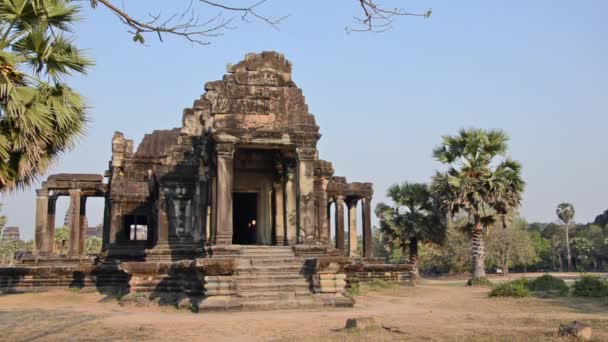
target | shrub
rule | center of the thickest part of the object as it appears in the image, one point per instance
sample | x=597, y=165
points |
x=514, y=288
x=354, y=290
x=479, y=282
x=550, y=285
x=590, y=286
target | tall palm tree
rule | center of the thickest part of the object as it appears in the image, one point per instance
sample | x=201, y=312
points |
x=478, y=182
x=413, y=217
x=40, y=116
x=565, y=213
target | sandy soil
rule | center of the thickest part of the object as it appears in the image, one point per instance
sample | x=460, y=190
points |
x=436, y=310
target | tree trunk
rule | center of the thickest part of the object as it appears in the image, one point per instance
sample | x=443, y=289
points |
x=505, y=265
x=479, y=270
x=559, y=260
x=569, y=261
x=414, y=258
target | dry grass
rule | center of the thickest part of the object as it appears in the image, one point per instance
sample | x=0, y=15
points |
x=436, y=310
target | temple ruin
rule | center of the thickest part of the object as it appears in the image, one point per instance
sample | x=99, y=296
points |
x=231, y=210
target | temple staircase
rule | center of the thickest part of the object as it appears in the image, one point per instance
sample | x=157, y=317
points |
x=272, y=277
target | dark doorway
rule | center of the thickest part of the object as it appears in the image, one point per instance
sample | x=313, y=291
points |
x=244, y=218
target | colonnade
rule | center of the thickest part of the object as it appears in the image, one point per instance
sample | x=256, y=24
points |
x=348, y=244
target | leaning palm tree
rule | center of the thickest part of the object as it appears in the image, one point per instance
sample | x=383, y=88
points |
x=414, y=217
x=565, y=213
x=478, y=182
x=40, y=116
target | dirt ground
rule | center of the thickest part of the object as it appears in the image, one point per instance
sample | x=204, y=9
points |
x=435, y=310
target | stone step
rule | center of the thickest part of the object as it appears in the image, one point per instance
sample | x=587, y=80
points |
x=279, y=305
x=270, y=261
x=272, y=286
x=265, y=269
x=269, y=277
x=273, y=295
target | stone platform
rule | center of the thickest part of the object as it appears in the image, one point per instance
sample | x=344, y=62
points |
x=231, y=278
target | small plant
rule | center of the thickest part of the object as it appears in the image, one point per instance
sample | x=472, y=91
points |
x=479, y=282
x=354, y=290
x=590, y=286
x=515, y=288
x=550, y=285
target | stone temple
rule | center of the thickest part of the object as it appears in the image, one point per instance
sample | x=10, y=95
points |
x=231, y=210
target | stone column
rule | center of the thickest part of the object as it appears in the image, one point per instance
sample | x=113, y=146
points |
x=75, y=226
x=162, y=221
x=324, y=234
x=115, y=221
x=340, y=223
x=279, y=212
x=307, y=195
x=291, y=206
x=49, y=241
x=225, y=155
x=82, y=235
x=367, y=226
x=328, y=219
x=352, y=227
x=42, y=217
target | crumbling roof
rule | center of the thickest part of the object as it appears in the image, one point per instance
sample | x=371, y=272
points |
x=158, y=143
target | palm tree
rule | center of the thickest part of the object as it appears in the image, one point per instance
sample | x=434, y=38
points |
x=478, y=183
x=40, y=116
x=565, y=213
x=414, y=217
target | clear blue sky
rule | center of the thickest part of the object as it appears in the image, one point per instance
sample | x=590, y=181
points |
x=537, y=69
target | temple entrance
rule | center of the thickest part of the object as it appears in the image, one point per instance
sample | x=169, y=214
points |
x=245, y=218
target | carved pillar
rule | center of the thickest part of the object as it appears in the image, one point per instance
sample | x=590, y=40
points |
x=307, y=195
x=367, y=226
x=340, y=223
x=42, y=217
x=352, y=227
x=328, y=219
x=75, y=225
x=279, y=213
x=82, y=234
x=162, y=221
x=115, y=221
x=324, y=234
x=291, y=206
x=225, y=155
x=49, y=241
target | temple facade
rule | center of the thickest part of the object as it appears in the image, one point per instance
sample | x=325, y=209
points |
x=243, y=169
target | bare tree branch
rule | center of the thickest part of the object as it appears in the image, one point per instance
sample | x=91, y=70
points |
x=377, y=18
x=187, y=24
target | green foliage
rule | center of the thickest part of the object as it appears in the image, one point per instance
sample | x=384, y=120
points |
x=454, y=256
x=510, y=246
x=2, y=219
x=8, y=250
x=413, y=217
x=550, y=285
x=482, y=281
x=590, y=286
x=93, y=245
x=40, y=115
x=514, y=288
x=62, y=236
x=354, y=290
x=477, y=181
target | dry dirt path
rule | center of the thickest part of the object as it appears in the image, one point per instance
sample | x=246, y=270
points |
x=436, y=310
